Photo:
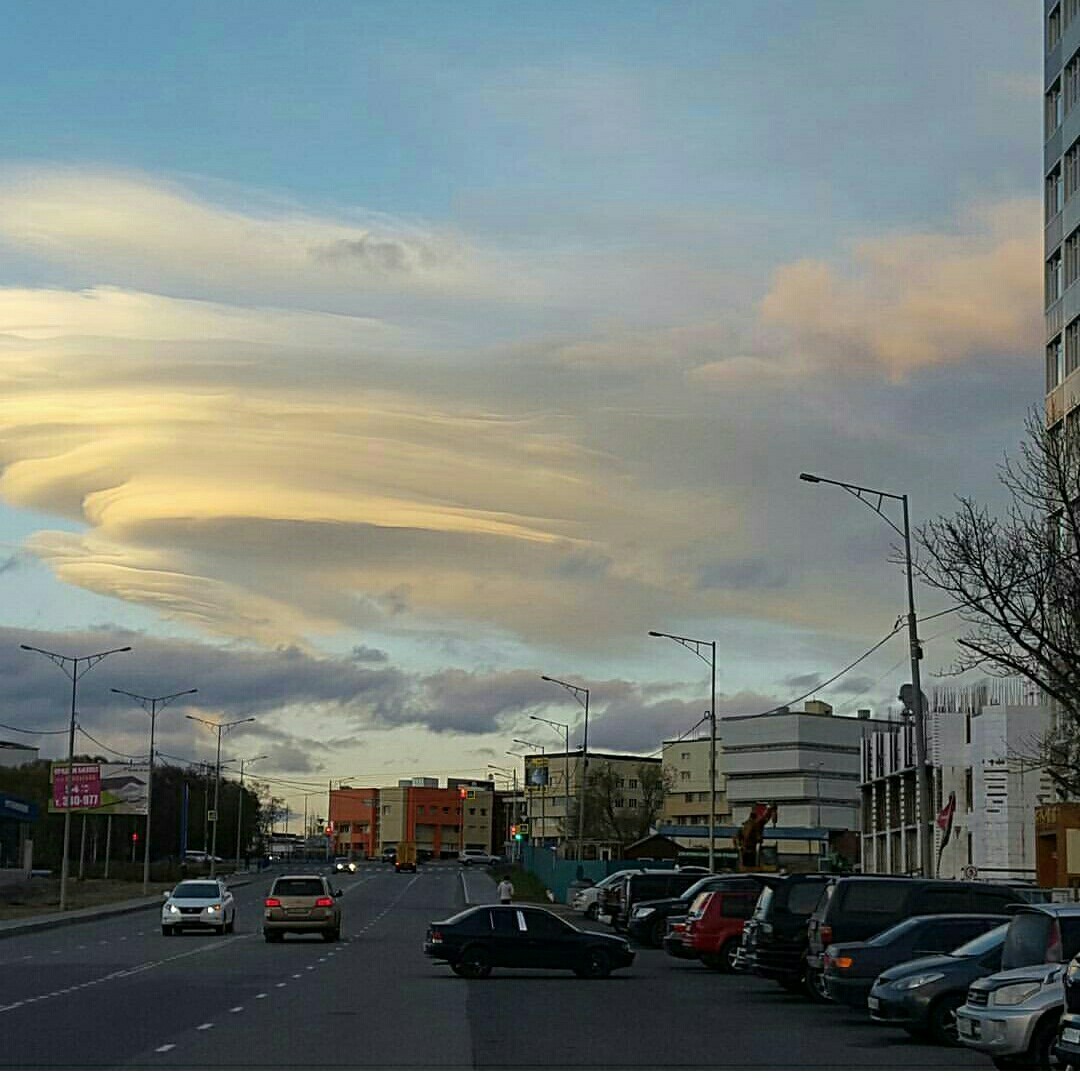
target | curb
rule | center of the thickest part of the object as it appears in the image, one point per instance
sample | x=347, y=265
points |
x=46, y=921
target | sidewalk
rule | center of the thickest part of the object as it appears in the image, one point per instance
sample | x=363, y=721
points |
x=44, y=921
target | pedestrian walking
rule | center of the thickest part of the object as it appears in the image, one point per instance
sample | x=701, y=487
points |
x=505, y=891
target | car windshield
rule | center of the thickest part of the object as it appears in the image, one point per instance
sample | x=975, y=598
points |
x=983, y=944
x=761, y=910
x=196, y=890
x=299, y=887
x=890, y=934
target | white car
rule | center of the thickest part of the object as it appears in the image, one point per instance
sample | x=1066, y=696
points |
x=587, y=900
x=478, y=857
x=198, y=904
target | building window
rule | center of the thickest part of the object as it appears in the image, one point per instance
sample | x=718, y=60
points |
x=684, y=756
x=1055, y=277
x=1055, y=363
x=633, y=802
x=620, y=783
x=632, y=784
x=969, y=791
x=1056, y=191
x=1072, y=346
x=446, y=810
x=1053, y=28
x=689, y=798
x=619, y=802
x=472, y=812
x=1069, y=12
x=483, y=812
x=685, y=775
x=1054, y=108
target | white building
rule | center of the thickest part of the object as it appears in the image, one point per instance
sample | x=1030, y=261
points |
x=13, y=754
x=976, y=737
x=807, y=762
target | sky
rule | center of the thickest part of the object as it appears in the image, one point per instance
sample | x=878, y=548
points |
x=360, y=363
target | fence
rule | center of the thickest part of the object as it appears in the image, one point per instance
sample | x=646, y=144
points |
x=558, y=874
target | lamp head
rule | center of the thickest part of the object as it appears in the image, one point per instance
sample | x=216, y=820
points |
x=806, y=477
x=653, y=632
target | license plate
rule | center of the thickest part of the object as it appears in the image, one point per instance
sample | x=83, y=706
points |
x=874, y=1003
x=1070, y=1035
x=967, y=1027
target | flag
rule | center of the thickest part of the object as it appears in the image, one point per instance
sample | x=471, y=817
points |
x=945, y=818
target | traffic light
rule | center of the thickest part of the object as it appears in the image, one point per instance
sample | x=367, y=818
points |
x=134, y=836
x=462, y=792
x=513, y=832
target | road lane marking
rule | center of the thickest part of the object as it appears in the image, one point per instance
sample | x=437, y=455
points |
x=297, y=976
x=235, y=1010
x=206, y=1025
x=165, y=1048
x=280, y=984
x=261, y=995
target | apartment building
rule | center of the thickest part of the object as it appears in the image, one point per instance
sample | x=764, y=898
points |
x=547, y=805
x=1061, y=170
x=978, y=740
x=687, y=766
x=441, y=821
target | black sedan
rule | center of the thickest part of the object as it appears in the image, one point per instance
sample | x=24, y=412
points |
x=922, y=995
x=852, y=968
x=522, y=937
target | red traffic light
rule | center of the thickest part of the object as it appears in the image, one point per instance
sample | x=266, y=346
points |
x=134, y=836
x=462, y=792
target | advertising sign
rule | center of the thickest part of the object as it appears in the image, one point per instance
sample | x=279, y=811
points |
x=102, y=789
x=536, y=771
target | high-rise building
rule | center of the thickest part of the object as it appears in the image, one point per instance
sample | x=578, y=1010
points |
x=1061, y=169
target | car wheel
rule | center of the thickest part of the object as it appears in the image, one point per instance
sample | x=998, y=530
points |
x=474, y=962
x=941, y=1022
x=1040, y=1053
x=814, y=984
x=593, y=910
x=596, y=964
x=656, y=936
x=166, y=930
x=727, y=956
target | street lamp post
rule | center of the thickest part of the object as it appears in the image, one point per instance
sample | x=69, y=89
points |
x=874, y=502
x=62, y=661
x=697, y=647
x=565, y=727
x=581, y=695
x=527, y=789
x=543, y=789
x=505, y=775
x=151, y=705
x=221, y=727
x=240, y=805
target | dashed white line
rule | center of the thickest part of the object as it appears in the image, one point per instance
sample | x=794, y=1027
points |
x=261, y=995
x=280, y=984
x=311, y=967
x=206, y=1025
x=165, y=1048
x=297, y=976
x=235, y=1010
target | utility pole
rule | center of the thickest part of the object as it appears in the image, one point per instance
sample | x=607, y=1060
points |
x=220, y=727
x=74, y=674
x=580, y=694
x=240, y=806
x=151, y=705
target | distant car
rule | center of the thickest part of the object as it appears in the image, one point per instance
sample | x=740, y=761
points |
x=715, y=921
x=301, y=904
x=344, y=863
x=478, y=857
x=196, y=857
x=198, y=904
x=648, y=919
x=922, y=995
x=389, y=855
x=587, y=900
x=852, y=968
x=478, y=939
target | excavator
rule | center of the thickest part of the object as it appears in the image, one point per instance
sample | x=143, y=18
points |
x=749, y=837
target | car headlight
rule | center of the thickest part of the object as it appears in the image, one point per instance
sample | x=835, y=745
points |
x=216, y=908
x=642, y=911
x=172, y=909
x=906, y=984
x=1012, y=994
x=1072, y=972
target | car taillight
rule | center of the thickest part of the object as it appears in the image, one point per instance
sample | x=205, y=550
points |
x=436, y=936
x=324, y=902
x=843, y=962
x=825, y=934
x=272, y=902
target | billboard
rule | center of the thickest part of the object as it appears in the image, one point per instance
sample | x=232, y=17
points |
x=536, y=771
x=101, y=789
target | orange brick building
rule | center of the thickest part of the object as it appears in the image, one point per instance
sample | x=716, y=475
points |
x=354, y=816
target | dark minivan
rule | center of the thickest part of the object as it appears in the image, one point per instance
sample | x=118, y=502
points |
x=857, y=907
x=774, y=939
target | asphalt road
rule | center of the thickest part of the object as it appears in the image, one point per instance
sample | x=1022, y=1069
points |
x=117, y=994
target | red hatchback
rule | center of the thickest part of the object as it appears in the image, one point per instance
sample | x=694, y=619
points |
x=714, y=926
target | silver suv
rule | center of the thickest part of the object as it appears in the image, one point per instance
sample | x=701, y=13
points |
x=1013, y=1015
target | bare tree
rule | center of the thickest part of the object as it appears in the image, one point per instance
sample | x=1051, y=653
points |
x=1017, y=580
x=609, y=816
